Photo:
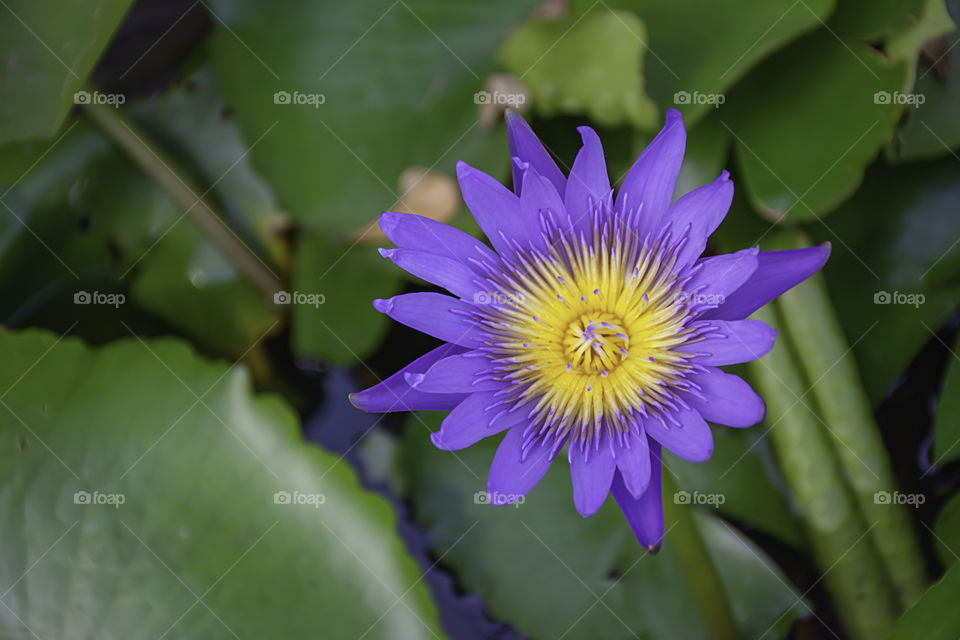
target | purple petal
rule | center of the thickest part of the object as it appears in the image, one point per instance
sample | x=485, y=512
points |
x=525, y=146
x=645, y=514
x=456, y=374
x=436, y=315
x=653, y=178
x=733, y=341
x=729, y=400
x=470, y=422
x=540, y=197
x=633, y=462
x=717, y=277
x=394, y=394
x=777, y=272
x=591, y=472
x=684, y=433
x=696, y=215
x=409, y=231
x=497, y=211
x=452, y=275
x=589, y=184
x=513, y=474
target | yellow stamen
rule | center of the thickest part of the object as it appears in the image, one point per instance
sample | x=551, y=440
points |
x=593, y=334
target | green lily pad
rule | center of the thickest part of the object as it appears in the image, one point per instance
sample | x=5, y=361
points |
x=330, y=305
x=186, y=281
x=92, y=221
x=589, y=65
x=932, y=128
x=195, y=125
x=893, y=271
x=353, y=94
x=158, y=496
x=802, y=137
x=872, y=19
x=50, y=248
x=697, y=50
x=551, y=573
x=936, y=616
x=48, y=51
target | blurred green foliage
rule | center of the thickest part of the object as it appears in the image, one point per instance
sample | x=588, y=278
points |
x=299, y=125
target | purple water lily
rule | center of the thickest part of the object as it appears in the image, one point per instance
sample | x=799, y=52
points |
x=593, y=322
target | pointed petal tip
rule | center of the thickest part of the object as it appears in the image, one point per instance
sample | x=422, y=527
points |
x=586, y=133
x=674, y=115
x=653, y=549
x=359, y=401
x=827, y=248
x=388, y=221
x=383, y=305
x=584, y=513
x=386, y=253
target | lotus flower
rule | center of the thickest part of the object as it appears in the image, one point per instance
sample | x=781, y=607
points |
x=590, y=323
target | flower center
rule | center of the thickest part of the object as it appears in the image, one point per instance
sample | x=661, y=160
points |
x=596, y=342
x=590, y=334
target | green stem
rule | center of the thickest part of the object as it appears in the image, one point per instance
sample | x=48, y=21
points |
x=702, y=577
x=828, y=360
x=852, y=567
x=180, y=189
